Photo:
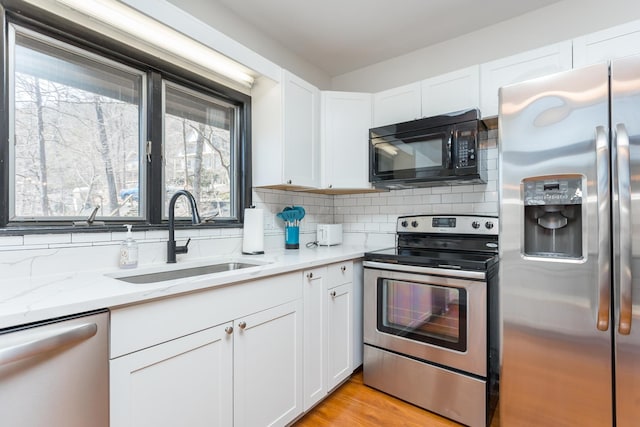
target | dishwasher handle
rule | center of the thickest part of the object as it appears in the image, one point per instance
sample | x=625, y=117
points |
x=53, y=340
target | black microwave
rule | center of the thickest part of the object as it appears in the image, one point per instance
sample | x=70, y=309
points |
x=430, y=151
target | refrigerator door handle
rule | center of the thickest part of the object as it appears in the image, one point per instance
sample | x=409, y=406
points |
x=604, y=247
x=624, y=200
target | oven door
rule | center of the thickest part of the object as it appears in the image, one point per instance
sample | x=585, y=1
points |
x=411, y=311
x=413, y=155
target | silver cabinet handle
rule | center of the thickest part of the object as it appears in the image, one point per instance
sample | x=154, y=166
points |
x=624, y=197
x=343, y=268
x=333, y=294
x=56, y=339
x=242, y=325
x=309, y=275
x=604, y=223
x=229, y=330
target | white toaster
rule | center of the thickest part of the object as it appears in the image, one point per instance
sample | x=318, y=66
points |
x=329, y=234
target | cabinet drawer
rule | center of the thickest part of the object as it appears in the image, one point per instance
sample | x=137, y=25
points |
x=340, y=273
x=144, y=325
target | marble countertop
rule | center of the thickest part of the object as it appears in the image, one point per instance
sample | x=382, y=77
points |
x=40, y=298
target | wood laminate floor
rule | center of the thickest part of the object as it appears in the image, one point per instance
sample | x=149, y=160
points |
x=357, y=405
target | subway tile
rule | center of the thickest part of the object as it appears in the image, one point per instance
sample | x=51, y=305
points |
x=92, y=237
x=11, y=241
x=372, y=210
x=40, y=239
x=452, y=198
x=432, y=199
x=473, y=197
x=441, y=190
x=422, y=191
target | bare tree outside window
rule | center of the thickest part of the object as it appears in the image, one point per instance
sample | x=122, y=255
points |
x=197, y=150
x=76, y=135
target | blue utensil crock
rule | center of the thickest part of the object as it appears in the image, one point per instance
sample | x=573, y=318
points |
x=291, y=237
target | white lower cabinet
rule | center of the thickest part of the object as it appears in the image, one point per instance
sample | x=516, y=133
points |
x=314, y=336
x=339, y=334
x=267, y=366
x=187, y=381
x=243, y=372
x=328, y=324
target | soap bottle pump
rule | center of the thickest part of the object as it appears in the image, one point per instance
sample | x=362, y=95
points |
x=128, y=251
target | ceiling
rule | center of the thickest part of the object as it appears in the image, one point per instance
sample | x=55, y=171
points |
x=339, y=36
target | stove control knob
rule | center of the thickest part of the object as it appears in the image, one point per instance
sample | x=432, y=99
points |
x=489, y=225
x=404, y=224
x=414, y=224
x=475, y=224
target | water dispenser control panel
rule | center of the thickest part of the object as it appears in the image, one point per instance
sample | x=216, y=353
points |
x=563, y=191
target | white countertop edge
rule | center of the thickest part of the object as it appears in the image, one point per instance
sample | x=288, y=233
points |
x=35, y=299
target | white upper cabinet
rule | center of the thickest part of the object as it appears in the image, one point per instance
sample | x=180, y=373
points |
x=285, y=137
x=344, y=130
x=454, y=91
x=612, y=43
x=518, y=68
x=396, y=105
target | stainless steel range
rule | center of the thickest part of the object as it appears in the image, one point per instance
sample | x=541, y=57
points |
x=431, y=325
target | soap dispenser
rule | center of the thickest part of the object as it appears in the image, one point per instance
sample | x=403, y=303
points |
x=128, y=251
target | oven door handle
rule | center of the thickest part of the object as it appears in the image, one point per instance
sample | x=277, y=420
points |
x=465, y=274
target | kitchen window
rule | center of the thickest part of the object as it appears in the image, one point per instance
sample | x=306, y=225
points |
x=102, y=136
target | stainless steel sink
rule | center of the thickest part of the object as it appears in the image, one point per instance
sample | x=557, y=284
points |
x=161, y=276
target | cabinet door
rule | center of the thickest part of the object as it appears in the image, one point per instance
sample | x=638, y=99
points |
x=518, y=68
x=315, y=330
x=186, y=381
x=346, y=119
x=301, y=153
x=339, y=334
x=396, y=105
x=268, y=366
x=612, y=43
x=455, y=91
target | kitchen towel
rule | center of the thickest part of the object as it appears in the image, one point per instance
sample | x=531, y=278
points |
x=253, y=232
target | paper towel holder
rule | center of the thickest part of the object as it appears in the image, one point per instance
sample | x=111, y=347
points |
x=250, y=249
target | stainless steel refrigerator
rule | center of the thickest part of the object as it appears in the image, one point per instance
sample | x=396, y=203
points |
x=570, y=248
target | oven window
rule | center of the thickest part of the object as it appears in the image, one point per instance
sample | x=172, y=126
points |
x=428, y=313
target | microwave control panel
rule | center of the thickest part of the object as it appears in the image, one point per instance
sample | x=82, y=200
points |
x=465, y=148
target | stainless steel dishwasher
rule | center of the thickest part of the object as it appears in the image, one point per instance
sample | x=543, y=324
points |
x=56, y=373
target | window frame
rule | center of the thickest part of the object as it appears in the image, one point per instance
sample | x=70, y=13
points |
x=157, y=72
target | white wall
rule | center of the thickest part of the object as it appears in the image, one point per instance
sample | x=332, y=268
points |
x=554, y=23
x=227, y=22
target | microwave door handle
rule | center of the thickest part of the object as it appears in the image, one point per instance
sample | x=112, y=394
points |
x=624, y=209
x=604, y=251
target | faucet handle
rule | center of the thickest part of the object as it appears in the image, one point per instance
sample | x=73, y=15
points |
x=183, y=249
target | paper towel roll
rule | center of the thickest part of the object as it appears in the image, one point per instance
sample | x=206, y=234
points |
x=253, y=233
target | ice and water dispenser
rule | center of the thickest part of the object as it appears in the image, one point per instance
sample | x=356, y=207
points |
x=553, y=216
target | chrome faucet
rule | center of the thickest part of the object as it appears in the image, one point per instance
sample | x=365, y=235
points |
x=172, y=249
